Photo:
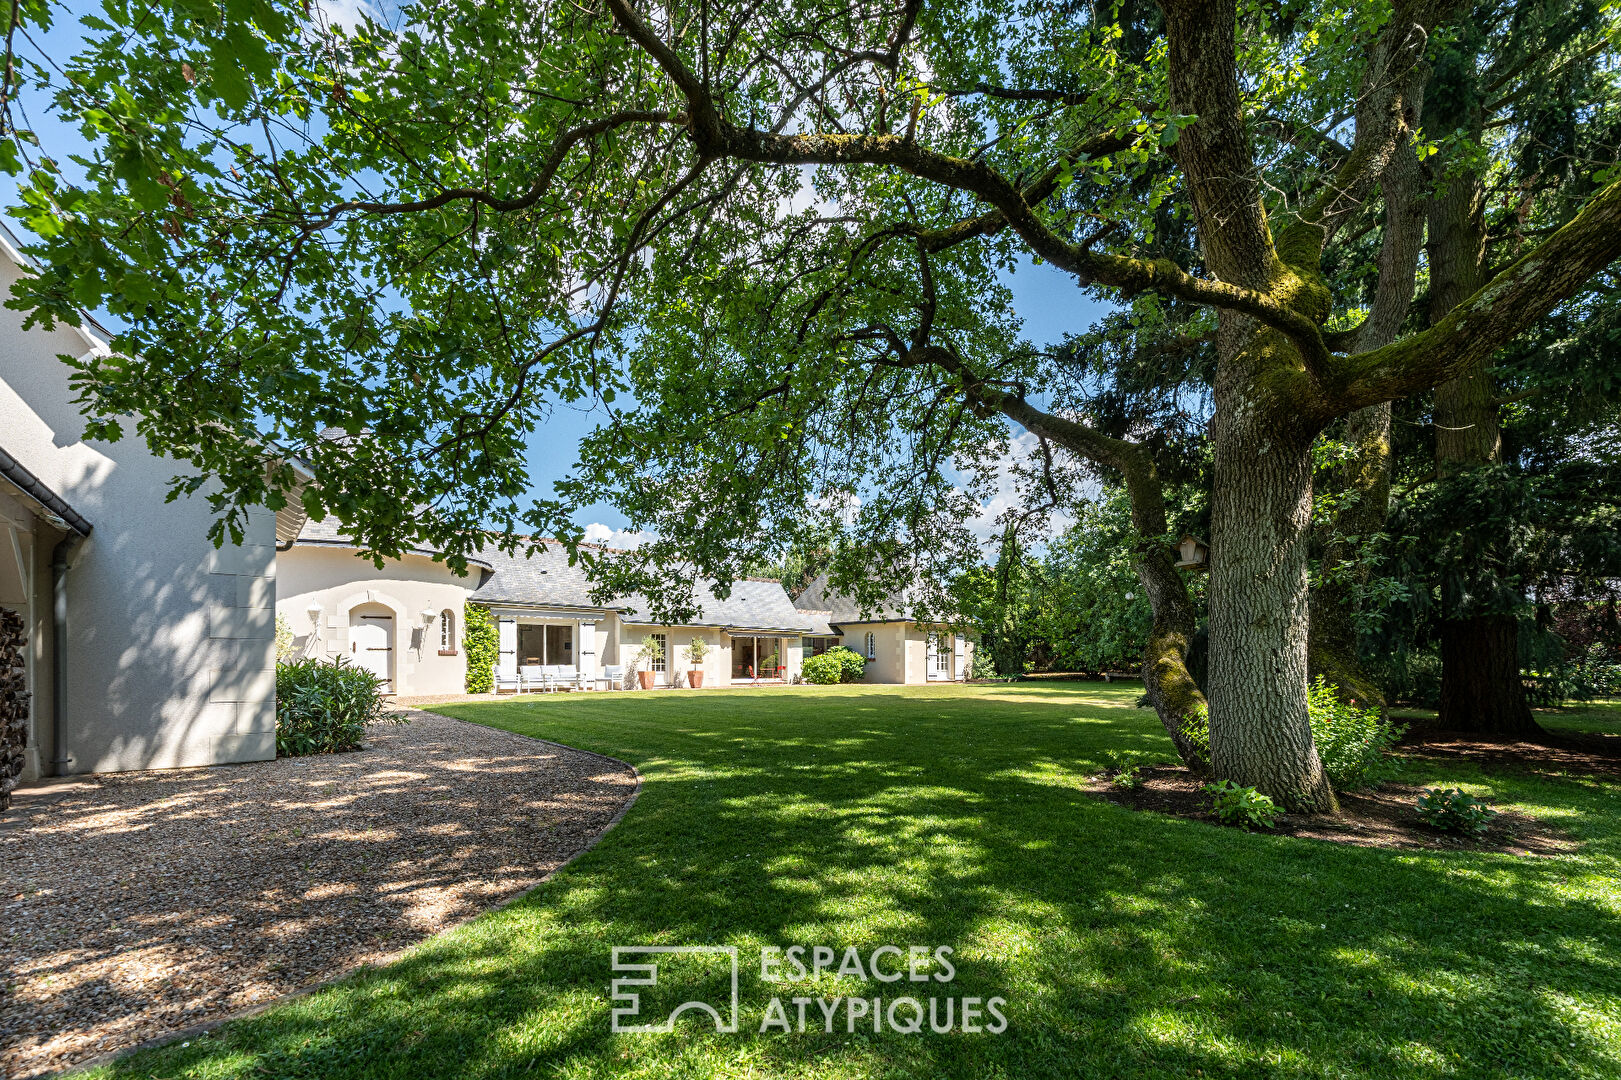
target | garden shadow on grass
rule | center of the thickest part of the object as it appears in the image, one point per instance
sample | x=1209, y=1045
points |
x=1125, y=944
x=1385, y=816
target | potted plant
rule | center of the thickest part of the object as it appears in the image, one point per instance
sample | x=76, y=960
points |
x=651, y=652
x=696, y=650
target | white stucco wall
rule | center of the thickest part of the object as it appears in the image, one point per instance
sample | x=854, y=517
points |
x=170, y=653
x=341, y=581
x=903, y=651
x=888, y=664
x=717, y=665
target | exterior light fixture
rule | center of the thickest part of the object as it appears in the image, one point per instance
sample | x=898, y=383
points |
x=314, y=611
x=428, y=615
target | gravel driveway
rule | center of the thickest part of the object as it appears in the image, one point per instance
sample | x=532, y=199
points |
x=143, y=903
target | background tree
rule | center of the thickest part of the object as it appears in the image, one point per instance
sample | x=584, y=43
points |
x=1000, y=601
x=1093, y=612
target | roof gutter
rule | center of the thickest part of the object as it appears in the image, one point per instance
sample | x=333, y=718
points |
x=57, y=511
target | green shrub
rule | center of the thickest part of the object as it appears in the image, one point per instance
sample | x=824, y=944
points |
x=285, y=649
x=1195, y=728
x=324, y=708
x=852, y=665
x=1585, y=677
x=481, y=645
x=1351, y=742
x=1127, y=778
x=823, y=669
x=1451, y=810
x=984, y=665
x=1241, y=806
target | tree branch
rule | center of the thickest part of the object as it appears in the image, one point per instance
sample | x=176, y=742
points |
x=717, y=137
x=1534, y=285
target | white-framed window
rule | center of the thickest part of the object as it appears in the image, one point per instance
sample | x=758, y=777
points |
x=663, y=661
x=447, y=631
x=942, y=653
x=872, y=645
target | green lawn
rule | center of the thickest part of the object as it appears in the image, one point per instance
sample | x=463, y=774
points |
x=1125, y=945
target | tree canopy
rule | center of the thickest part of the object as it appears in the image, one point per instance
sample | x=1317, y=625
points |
x=770, y=238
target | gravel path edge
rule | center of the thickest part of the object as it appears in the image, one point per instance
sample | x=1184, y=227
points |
x=254, y=1010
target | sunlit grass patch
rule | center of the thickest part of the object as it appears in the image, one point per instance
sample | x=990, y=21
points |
x=1125, y=944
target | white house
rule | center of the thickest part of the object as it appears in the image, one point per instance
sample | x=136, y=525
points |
x=145, y=646
x=403, y=621
x=897, y=647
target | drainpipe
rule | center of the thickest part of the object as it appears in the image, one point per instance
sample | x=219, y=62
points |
x=60, y=760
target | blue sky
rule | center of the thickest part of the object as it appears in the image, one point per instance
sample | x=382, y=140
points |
x=1047, y=300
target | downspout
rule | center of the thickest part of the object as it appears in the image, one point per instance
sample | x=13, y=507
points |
x=60, y=555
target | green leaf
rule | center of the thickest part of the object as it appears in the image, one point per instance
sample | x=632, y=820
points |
x=230, y=80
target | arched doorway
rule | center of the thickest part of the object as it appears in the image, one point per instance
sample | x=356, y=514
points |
x=371, y=641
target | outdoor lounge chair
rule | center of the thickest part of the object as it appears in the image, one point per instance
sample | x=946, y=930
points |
x=556, y=677
x=532, y=678
x=502, y=682
x=612, y=677
x=564, y=677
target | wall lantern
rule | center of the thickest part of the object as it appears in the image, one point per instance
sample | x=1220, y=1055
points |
x=1192, y=553
x=314, y=611
x=428, y=615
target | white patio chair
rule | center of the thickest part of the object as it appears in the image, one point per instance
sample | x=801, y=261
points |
x=613, y=677
x=532, y=678
x=565, y=677
x=512, y=682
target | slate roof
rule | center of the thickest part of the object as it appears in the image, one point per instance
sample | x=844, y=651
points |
x=326, y=533
x=545, y=579
x=54, y=506
x=821, y=625
x=820, y=597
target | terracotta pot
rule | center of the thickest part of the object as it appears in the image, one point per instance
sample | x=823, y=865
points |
x=646, y=678
x=695, y=679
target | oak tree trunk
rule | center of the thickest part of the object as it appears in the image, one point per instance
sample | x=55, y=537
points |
x=1172, y=690
x=1260, y=515
x=1480, y=677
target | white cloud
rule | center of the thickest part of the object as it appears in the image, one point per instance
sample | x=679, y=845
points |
x=347, y=13
x=608, y=536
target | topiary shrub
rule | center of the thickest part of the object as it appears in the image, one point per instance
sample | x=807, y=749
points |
x=823, y=669
x=1350, y=741
x=852, y=665
x=324, y=708
x=482, y=647
x=285, y=649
